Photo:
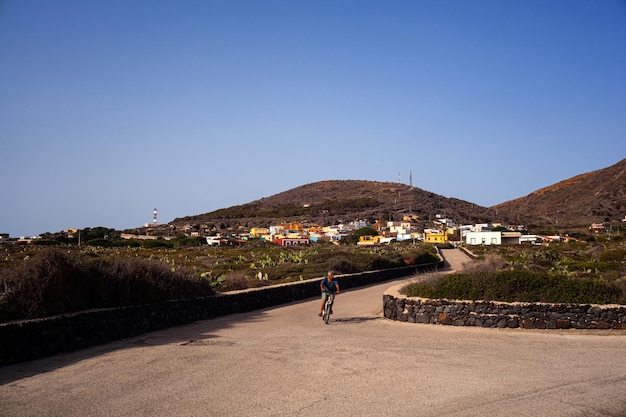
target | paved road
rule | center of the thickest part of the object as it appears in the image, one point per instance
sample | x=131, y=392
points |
x=284, y=361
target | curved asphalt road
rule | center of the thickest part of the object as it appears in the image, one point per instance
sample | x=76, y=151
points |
x=284, y=361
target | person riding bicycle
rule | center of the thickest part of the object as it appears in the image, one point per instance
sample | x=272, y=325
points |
x=328, y=285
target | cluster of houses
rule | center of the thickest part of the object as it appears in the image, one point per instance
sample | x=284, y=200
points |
x=446, y=231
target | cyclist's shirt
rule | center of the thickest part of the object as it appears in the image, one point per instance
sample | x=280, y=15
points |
x=330, y=286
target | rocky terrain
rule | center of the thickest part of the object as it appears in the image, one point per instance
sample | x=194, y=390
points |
x=593, y=197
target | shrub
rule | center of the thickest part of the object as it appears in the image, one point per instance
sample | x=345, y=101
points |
x=54, y=281
x=613, y=255
x=343, y=266
x=421, y=257
x=234, y=281
x=48, y=283
x=100, y=242
x=518, y=285
x=157, y=243
x=491, y=262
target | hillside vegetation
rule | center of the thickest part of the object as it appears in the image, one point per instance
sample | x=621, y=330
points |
x=38, y=281
x=51, y=281
x=589, y=273
x=575, y=203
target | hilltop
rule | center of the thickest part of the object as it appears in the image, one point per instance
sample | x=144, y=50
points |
x=575, y=203
x=593, y=197
x=334, y=201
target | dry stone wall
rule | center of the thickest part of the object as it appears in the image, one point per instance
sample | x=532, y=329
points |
x=502, y=315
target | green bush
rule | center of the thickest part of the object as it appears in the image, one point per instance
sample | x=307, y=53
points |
x=343, y=266
x=157, y=243
x=613, y=255
x=100, y=242
x=518, y=285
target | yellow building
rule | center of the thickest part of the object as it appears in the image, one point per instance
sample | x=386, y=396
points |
x=257, y=232
x=435, y=237
x=368, y=240
x=313, y=228
x=293, y=227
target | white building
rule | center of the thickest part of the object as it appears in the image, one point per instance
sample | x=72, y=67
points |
x=483, y=238
x=493, y=238
x=358, y=224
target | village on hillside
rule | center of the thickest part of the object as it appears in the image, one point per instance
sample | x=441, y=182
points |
x=442, y=231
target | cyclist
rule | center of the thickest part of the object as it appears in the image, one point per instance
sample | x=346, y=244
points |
x=328, y=285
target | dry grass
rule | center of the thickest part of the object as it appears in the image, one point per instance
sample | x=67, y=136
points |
x=54, y=281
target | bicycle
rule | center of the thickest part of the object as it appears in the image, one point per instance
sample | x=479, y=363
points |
x=328, y=306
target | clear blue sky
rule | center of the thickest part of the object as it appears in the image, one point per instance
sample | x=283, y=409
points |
x=109, y=109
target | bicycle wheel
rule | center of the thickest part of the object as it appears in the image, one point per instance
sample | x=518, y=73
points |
x=326, y=315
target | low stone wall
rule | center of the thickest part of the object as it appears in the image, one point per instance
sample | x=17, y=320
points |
x=31, y=339
x=501, y=315
x=468, y=252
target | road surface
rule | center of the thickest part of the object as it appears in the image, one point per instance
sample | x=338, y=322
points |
x=285, y=361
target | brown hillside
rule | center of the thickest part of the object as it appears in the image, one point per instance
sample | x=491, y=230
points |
x=331, y=202
x=594, y=197
x=572, y=204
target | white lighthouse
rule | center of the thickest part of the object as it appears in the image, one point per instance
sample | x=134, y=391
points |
x=155, y=217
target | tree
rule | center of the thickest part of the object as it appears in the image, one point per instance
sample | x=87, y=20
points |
x=365, y=231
